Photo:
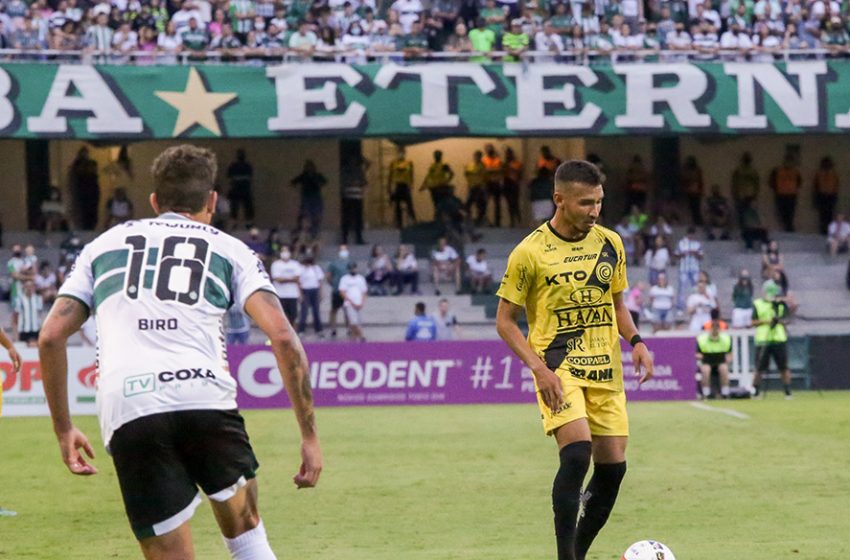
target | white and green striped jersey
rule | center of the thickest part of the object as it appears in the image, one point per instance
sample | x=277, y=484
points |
x=159, y=289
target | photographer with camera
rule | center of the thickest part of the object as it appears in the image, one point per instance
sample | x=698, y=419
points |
x=770, y=314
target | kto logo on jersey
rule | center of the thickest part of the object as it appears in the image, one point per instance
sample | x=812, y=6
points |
x=604, y=271
x=587, y=295
x=564, y=277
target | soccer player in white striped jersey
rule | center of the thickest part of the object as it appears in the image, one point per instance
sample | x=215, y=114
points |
x=166, y=400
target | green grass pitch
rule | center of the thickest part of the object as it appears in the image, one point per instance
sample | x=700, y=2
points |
x=473, y=483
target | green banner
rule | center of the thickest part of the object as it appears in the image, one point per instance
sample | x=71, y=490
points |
x=453, y=99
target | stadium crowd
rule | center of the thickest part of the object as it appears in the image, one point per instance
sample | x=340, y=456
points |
x=361, y=30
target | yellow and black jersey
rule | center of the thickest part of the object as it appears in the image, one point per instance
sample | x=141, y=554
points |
x=567, y=290
x=401, y=171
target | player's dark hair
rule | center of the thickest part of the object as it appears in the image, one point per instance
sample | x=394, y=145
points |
x=579, y=171
x=419, y=308
x=183, y=178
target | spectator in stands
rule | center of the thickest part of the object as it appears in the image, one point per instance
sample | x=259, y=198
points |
x=717, y=215
x=634, y=299
x=689, y=255
x=549, y=41
x=421, y=327
x=677, y=40
x=406, y=270
x=661, y=300
x=46, y=284
x=228, y=43
x=408, y=12
x=660, y=227
x=638, y=221
x=257, y=244
x=380, y=273
x=459, y=41
x=714, y=354
x=494, y=17
x=657, y=259
x=540, y=191
x=353, y=185
x=28, y=307
x=304, y=41
x=446, y=13
x=286, y=277
x=699, y=306
x=98, y=37
x=838, y=235
x=125, y=40
x=770, y=315
x=147, y=43
x=478, y=272
x=627, y=235
x=447, y=323
x=356, y=41
x=771, y=260
x=310, y=282
x=483, y=39
x=548, y=161
x=834, y=38
x=825, y=189
x=119, y=208
x=710, y=287
x=237, y=327
x=735, y=38
x=169, y=42
x=515, y=42
x=353, y=289
x=53, y=212
x=336, y=270
x=216, y=26
x=438, y=180
x=785, y=181
x=766, y=44
x=312, y=205
x=445, y=265
x=691, y=178
x=64, y=38
x=414, y=44
x=742, y=301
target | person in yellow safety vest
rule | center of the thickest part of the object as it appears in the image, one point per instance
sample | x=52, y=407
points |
x=785, y=181
x=476, y=197
x=770, y=314
x=714, y=354
x=399, y=183
x=493, y=180
x=438, y=180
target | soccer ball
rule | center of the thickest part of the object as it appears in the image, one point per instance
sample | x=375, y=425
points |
x=648, y=550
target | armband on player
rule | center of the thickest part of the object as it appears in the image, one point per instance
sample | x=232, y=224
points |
x=635, y=340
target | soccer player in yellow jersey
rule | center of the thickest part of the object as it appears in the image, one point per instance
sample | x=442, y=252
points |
x=399, y=182
x=570, y=275
x=16, y=362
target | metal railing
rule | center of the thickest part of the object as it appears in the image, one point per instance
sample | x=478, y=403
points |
x=263, y=56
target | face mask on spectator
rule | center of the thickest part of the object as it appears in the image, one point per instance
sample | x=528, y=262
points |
x=285, y=255
x=344, y=254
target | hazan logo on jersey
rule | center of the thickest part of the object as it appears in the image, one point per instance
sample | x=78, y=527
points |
x=587, y=295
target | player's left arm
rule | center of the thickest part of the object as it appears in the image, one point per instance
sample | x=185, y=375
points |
x=10, y=348
x=65, y=318
x=641, y=358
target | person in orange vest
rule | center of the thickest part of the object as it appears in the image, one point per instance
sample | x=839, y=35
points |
x=493, y=180
x=825, y=187
x=512, y=170
x=547, y=161
x=785, y=181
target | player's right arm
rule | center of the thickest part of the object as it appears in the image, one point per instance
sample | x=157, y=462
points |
x=65, y=318
x=548, y=383
x=264, y=308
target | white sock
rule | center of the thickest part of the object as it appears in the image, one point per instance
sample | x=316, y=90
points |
x=706, y=391
x=724, y=391
x=250, y=545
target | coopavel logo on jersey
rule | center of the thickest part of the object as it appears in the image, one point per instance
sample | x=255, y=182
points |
x=147, y=382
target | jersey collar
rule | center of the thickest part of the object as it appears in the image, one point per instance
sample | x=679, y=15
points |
x=561, y=237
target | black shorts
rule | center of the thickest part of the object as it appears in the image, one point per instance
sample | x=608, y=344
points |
x=779, y=351
x=336, y=300
x=161, y=460
x=28, y=336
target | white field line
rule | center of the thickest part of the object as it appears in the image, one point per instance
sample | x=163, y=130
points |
x=727, y=411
